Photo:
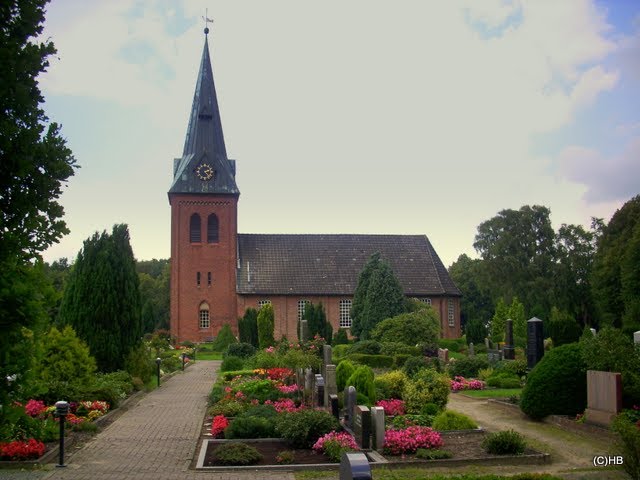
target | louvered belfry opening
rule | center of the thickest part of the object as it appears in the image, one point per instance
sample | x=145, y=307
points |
x=195, y=232
x=212, y=229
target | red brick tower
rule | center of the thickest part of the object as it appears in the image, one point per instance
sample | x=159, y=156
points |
x=204, y=204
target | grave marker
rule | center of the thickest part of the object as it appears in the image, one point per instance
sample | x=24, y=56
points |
x=333, y=404
x=330, y=385
x=471, y=351
x=354, y=466
x=362, y=426
x=319, y=392
x=377, y=428
x=349, y=404
x=636, y=337
x=535, y=342
x=303, y=335
x=443, y=355
x=508, y=351
x=604, y=397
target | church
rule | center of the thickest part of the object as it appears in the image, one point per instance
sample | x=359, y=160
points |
x=217, y=273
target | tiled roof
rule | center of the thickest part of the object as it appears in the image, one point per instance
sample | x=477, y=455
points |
x=330, y=264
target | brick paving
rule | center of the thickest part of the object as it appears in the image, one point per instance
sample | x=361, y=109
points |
x=157, y=438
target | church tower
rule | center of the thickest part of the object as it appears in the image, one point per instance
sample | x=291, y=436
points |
x=204, y=204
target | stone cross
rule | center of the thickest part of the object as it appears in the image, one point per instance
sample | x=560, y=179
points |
x=535, y=342
x=330, y=385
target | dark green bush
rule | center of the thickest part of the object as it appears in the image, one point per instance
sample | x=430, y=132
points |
x=504, y=380
x=362, y=399
x=430, y=409
x=236, y=454
x=508, y=442
x=557, y=384
x=228, y=408
x=451, y=420
x=139, y=364
x=302, y=429
x=232, y=363
x=467, y=367
x=453, y=344
x=363, y=380
x=231, y=374
x=373, y=361
x=400, y=359
x=370, y=347
x=343, y=371
x=403, y=421
x=414, y=364
x=261, y=390
x=341, y=337
x=224, y=339
x=263, y=411
x=250, y=427
x=432, y=454
x=395, y=348
x=240, y=350
x=628, y=444
x=516, y=367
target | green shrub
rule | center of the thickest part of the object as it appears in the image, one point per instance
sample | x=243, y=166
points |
x=397, y=348
x=228, y=408
x=453, y=344
x=430, y=409
x=414, y=364
x=266, y=323
x=261, y=390
x=370, y=347
x=250, y=427
x=467, y=367
x=432, y=454
x=390, y=384
x=518, y=367
x=343, y=371
x=510, y=383
x=224, y=339
x=302, y=429
x=421, y=326
x=263, y=411
x=451, y=420
x=298, y=358
x=428, y=386
x=231, y=374
x=508, y=442
x=236, y=454
x=241, y=350
x=139, y=364
x=362, y=399
x=248, y=327
x=363, y=380
x=231, y=363
x=340, y=351
x=400, y=359
x=628, y=444
x=403, y=421
x=373, y=361
x=557, y=384
x=266, y=360
x=340, y=337
x=503, y=379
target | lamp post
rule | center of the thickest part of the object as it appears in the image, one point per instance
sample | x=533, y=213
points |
x=158, y=362
x=62, y=410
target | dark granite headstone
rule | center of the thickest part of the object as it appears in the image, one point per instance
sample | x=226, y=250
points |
x=508, y=350
x=335, y=408
x=535, y=342
x=362, y=426
x=354, y=466
x=349, y=404
x=319, y=393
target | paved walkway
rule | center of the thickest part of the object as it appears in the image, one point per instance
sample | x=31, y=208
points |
x=157, y=438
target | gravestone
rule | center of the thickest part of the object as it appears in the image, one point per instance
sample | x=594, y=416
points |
x=508, y=351
x=362, y=426
x=604, y=397
x=377, y=428
x=300, y=378
x=487, y=343
x=443, y=355
x=354, y=466
x=309, y=384
x=471, y=350
x=335, y=407
x=319, y=391
x=326, y=359
x=350, y=395
x=535, y=342
x=330, y=385
x=303, y=335
x=593, y=331
x=493, y=356
x=636, y=337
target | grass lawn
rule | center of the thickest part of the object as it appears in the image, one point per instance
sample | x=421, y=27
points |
x=208, y=356
x=419, y=474
x=494, y=392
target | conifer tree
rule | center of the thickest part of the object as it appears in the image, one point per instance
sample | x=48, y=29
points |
x=248, y=327
x=266, y=325
x=499, y=321
x=102, y=300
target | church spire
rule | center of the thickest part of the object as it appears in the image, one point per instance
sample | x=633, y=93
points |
x=204, y=166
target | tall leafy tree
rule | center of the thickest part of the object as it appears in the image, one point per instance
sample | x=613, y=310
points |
x=378, y=296
x=317, y=321
x=476, y=304
x=102, y=298
x=34, y=165
x=517, y=315
x=248, y=327
x=615, y=269
x=499, y=321
x=154, y=292
x=266, y=326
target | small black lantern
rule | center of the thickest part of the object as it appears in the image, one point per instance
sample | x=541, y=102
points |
x=158, y=362
x=62, y=410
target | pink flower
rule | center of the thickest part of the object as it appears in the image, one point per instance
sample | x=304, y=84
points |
x=408, y=440
x=284, y=405
x=34, y=407
x=343, y=439
x=393, y=406
x=288, y=388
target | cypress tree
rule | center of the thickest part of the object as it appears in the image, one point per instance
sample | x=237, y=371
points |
x=266, y=325
x=248, y=327
x=102, y=299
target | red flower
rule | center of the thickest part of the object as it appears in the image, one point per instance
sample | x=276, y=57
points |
x=218, y=425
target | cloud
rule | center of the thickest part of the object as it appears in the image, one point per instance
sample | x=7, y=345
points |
x=613, y=178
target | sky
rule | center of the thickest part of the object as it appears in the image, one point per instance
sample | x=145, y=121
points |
x=366, y=116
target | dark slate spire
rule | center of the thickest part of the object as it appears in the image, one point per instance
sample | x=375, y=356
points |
x=204, y=150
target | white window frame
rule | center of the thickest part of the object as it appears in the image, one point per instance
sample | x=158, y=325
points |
x=204, y=320
x=262, y=303
x=425, y=300
x=345, y=313
x=451, y=311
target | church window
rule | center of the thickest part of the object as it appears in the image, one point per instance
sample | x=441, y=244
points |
x=345, y=313
x=425, y=300
x=301, y=306
x=212, y=229
x=204, y=316
x=451, y=313
x=208, y=279
x=262, y=303
x=198, y=278
x=194, y=229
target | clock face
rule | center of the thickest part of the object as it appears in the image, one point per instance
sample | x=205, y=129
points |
x=204, y=172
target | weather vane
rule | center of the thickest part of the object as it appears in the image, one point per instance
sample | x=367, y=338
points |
x=206, y=21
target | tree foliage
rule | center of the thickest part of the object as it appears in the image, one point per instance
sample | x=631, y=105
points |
x=476, y=304
x=248, y=327
x=154, y=278
x=562, y=328
x=317, y=322
x=102, y=299
x=378, y=296
x=224, y=339
x=421, y=326
x=266, y=325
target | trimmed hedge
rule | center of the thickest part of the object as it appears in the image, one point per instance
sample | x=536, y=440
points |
x=557, y=385
x=373, y=361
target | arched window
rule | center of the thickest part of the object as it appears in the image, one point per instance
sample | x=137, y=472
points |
x=204, y=316
x=194, y=229
x=212, y=229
